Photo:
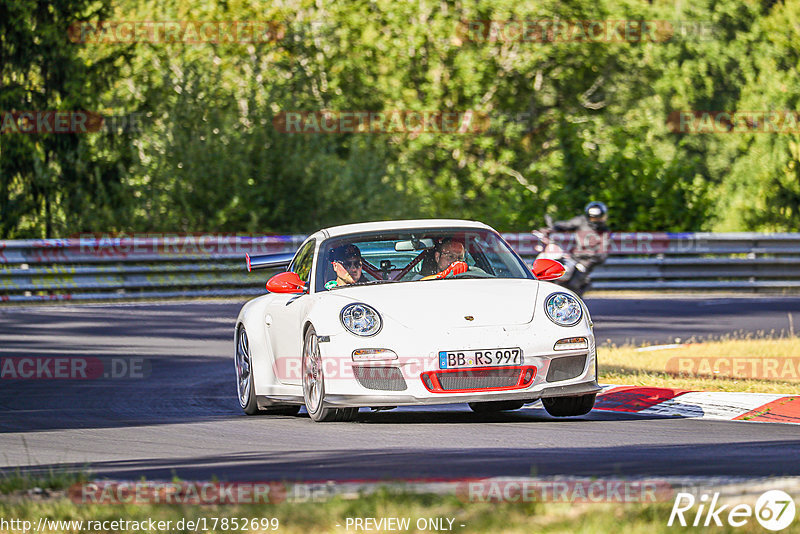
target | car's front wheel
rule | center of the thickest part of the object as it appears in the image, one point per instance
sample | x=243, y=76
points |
x=314, y=384
x=245, y=383
x=495, y=406
x=569, y=406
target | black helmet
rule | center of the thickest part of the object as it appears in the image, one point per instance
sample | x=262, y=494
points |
x=596, y=211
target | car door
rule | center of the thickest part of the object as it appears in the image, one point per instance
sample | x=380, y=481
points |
x=284, y=317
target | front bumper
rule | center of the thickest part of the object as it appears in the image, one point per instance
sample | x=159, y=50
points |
x=392, y=399
x=417, y=356
x=408, y=384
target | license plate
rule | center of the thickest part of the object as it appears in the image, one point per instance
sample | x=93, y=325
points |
x=459, y=359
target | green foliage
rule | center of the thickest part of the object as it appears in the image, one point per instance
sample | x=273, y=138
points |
x=49, y=182
x=51, y=479
x=569, y=121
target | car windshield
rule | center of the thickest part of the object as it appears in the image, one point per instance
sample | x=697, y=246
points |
x=416, y=255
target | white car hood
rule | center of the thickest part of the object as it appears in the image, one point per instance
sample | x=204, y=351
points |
x=449, y=303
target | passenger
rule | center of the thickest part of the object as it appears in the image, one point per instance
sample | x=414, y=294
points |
x=347, y=264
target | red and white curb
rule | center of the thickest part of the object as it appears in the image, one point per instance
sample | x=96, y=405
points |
x=720, y=405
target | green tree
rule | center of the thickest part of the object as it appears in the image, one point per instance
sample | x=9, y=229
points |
x=54, y=184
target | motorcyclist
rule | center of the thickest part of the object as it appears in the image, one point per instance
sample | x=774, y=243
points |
x=591, y=246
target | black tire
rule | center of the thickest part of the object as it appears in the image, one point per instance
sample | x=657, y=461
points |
x=245, y=382
x=569, y=406
x=495, y=406
x=314, y=385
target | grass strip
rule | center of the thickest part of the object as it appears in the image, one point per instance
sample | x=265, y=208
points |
x=770, y=365
x=332, y=515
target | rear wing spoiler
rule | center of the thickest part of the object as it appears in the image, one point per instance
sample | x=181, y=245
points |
x=268, y=261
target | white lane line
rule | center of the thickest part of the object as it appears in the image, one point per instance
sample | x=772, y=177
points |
x=662, y=347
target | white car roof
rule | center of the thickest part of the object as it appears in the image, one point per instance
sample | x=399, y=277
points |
x=410, y=224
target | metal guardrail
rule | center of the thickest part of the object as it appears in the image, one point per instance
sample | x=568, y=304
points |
x=691, y=261
x=102, y=268
x=90, y=268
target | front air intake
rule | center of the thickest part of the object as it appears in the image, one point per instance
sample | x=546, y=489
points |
x=381, y=378
x=566, y=367
x=481, y=379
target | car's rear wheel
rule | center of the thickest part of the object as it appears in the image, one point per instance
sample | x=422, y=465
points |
x=314, y=384
x=245, y=383
x=496, y=406
x=569, y=406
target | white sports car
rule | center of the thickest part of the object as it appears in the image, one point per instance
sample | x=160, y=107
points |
x=401, y=313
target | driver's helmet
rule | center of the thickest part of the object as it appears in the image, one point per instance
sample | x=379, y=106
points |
x=596, y=212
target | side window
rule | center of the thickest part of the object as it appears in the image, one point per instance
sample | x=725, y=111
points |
x=303, y=261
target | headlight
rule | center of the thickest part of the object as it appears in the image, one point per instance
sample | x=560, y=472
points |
x=563, y=309
x=360, y=319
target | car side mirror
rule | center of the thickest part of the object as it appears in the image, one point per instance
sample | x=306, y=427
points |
x=287, y=282
x=547, y=269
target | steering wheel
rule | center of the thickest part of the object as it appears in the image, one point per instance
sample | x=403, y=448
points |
x=455, y=268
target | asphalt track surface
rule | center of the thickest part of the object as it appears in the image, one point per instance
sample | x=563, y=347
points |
x=183, y=419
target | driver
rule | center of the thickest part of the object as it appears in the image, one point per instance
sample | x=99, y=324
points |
x=449, y=258
x=449, y=250
x=347, y=264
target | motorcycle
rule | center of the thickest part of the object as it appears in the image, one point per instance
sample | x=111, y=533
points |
x=576, y=275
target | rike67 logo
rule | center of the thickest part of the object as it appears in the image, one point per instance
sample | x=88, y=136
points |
x=774, y=510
